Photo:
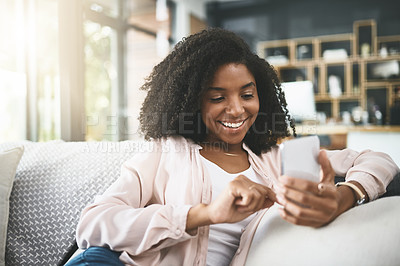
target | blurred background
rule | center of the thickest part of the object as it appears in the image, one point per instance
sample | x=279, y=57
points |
x=72, y=69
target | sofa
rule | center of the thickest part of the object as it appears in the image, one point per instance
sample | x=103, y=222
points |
x=44, y=186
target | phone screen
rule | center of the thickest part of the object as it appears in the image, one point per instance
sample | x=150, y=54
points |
x=299, y=158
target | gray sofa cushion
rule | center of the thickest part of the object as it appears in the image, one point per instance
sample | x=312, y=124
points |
x=365, y=235
x=54, y=181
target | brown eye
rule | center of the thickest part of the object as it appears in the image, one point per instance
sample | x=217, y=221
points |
x=248, y=96
x=217, y=99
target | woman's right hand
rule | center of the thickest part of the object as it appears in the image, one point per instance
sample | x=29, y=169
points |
x=241, y=198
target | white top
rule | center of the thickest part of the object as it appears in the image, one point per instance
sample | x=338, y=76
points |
x=224, y=238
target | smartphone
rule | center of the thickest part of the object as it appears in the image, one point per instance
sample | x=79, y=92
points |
x=299, y=158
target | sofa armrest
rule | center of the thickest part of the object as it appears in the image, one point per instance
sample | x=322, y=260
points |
x=365, y=235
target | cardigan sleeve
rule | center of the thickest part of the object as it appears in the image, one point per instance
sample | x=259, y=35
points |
x=373, y=170
x=129, y=217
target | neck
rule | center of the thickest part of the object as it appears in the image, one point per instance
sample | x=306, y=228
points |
x=222, y=147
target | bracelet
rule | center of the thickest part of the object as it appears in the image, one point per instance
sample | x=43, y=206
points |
x=362, y=197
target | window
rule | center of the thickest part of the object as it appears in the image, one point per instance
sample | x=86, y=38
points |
x=29, y=87
x=124, y=40
x=101, y=81
x=72, y=69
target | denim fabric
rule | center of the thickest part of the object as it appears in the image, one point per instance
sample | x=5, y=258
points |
x=96, y=256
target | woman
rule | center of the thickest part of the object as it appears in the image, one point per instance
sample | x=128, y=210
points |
x=213, y=114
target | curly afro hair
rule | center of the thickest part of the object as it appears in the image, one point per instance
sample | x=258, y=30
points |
x=176, y=85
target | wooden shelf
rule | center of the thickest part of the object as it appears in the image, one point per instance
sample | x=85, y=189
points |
x=361, y=62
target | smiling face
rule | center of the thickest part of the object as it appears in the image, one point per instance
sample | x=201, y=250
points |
x=230, y=105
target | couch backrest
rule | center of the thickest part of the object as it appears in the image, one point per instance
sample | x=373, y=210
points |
x=54, y=181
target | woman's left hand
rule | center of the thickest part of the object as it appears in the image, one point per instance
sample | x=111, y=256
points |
x=309, y=203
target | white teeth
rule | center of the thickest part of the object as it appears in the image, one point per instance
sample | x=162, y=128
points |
x=232, y=125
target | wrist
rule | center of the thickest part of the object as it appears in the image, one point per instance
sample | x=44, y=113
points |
x=346, y=199
x=197, y=216
x=359, y=193
x=361, y=188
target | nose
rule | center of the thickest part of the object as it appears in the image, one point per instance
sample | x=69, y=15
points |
x=235, y=107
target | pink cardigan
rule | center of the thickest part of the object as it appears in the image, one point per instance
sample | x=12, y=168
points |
x=144, y=212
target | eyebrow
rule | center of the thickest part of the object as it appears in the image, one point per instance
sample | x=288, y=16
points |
x=250, y=84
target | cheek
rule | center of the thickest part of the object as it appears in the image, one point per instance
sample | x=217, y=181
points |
x=255, y=107
x=211, y=111
x=206, y=114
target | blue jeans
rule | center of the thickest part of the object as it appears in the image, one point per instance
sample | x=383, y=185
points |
x=96, y=256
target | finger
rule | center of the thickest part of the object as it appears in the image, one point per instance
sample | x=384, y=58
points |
x=306, y=216
x=244, y=193
x=296, y=183
x=253, y=202
x=243, y=200
x=250, y=184
x=251, y=196
x=268, y=203
x=326, y=204
x=242, y=179
x=314, y=190
x=242, y=186
x=267, y=196
x=266, y=192
x=328, y=174
x=304, y=185
x=298, y=221
x=261, y=205
x=258, y=201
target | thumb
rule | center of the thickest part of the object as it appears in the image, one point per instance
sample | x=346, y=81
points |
x=270, y=194
x=328, y=174
x=267, y=192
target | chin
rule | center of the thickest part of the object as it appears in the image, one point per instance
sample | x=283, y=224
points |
x=232, y=140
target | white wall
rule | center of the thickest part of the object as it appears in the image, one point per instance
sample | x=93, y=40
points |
x=388, y=142
x=183, y=10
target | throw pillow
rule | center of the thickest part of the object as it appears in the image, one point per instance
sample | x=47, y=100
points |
x=8, y=165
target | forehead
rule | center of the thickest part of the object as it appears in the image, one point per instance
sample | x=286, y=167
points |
x=232, y=74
